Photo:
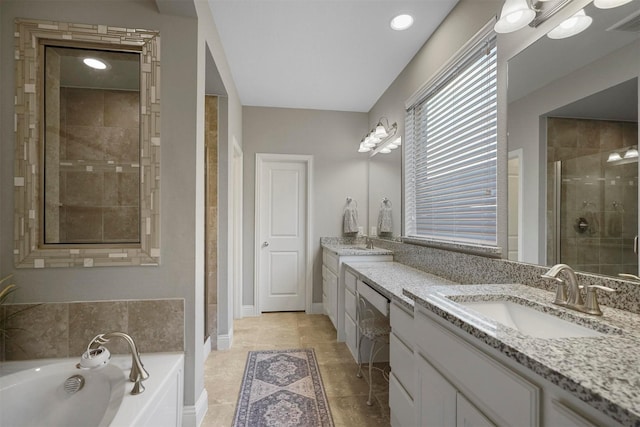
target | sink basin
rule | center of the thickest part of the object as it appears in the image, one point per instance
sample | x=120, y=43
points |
x=529, y=321
x=358, y=248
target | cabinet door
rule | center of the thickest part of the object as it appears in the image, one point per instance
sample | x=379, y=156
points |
x=468, y=415
x=351, y=337
x=401, y=405
x=559, y=414
x=437, y=403
x=330, y=291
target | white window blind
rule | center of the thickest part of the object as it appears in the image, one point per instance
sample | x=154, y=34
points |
x=450, y=154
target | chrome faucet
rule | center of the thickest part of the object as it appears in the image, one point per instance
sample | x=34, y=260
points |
x=369, y=242
x=138, y=373
x=573, y=298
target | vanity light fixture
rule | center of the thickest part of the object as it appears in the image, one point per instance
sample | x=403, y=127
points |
x=517, y=14
x=614, y=157
x=609, y=4
x=386, y=146
x=630, y=156
x=631, y=153
x=94, y=63
x=401, y=22
x=571, y=26
x=379, y=138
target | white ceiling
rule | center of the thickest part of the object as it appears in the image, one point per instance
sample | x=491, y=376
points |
x=320, y=54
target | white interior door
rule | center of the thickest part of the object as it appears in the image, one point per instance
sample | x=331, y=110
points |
x=281, y=235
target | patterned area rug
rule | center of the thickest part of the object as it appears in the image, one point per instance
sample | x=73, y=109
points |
x=282, y=388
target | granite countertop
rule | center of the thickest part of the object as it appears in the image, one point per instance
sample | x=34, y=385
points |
x=602, y=371
x=351, y=249
x=389, y=278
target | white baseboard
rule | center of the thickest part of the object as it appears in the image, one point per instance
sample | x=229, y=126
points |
x=317, y=308
x=225, y=341
x=249, y=311
x=193, y=416
x=206, y=348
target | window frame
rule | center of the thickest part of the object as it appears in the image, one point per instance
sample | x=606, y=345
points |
x=439, y=80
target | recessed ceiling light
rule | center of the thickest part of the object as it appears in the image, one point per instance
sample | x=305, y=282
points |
x=94, y=63
x=401, y=22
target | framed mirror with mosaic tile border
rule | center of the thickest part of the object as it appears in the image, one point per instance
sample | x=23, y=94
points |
x=29, y=248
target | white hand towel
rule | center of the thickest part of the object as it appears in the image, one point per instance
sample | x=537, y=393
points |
x=385, y=220
x=350, y=219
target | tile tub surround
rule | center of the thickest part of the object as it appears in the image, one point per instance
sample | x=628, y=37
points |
x=600, y=371
x=55, y=330
x=473, y=269
x=390, y=278
x=343, y=246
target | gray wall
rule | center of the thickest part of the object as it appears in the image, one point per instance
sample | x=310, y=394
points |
x=181, y=273
x=229, y=130
x=332, y=137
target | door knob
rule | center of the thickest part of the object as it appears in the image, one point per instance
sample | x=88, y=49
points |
x=265, y=244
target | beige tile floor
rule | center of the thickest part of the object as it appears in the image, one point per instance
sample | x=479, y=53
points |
x=347, y=394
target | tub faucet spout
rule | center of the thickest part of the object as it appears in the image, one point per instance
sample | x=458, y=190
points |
x=138, y=373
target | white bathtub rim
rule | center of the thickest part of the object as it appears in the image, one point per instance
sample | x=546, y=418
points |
x=160, y=366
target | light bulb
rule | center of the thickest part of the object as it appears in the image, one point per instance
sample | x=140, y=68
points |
x=94, y=63
x=631, y=153
x=571, y=26
x=401, y=22
x=614, y=157
x=609, y=4
x=380, y=132
x=515, y=14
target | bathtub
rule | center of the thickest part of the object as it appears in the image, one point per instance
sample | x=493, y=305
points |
x=32, y=393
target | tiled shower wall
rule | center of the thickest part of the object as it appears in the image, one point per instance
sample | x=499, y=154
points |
x=65, y=329
x=601, y=195
x=99, y=170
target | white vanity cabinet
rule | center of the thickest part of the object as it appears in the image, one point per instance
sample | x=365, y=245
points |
x=334, y=286
x=350, y=308
x=492, y=390
x=330, y=285
x=402, y=379
x=461, y=381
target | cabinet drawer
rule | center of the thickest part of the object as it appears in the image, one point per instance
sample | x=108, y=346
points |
x=402, y=364
x=402, y=324
x=350, y=280
x=401, y=405
x=379, y=301
x=504, y=396
x=350, y=303
x=330, y=260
